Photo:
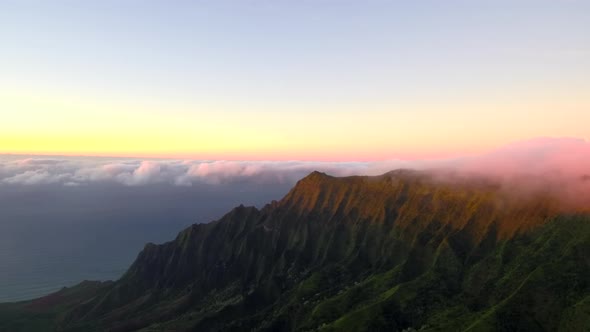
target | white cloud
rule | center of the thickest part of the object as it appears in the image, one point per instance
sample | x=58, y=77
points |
x=561, y=158
x=34, y=177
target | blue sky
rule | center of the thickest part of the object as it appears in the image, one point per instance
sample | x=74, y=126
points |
x=261, y=49
x=301, y=57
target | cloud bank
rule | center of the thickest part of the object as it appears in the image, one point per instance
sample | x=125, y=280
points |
x=72, y=171
x=551, y=162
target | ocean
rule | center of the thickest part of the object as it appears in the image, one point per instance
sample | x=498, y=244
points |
x=53, y=237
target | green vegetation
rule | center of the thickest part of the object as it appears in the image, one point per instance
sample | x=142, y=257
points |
x=400, y=252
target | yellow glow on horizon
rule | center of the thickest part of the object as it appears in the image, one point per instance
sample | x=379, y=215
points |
x=34, y=123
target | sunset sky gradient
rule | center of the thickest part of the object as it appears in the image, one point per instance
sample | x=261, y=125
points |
x=291, y=80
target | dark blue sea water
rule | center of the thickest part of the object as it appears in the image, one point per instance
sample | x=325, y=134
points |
x=51, y=237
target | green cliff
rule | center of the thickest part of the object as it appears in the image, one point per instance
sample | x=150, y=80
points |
x=403, y=251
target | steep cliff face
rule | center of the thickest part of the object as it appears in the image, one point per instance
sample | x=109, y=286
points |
x=405, y=249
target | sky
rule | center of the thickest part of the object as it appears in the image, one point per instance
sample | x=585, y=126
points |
x=322, y=80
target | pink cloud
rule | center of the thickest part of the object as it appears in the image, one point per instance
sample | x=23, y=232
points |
x=556, y=156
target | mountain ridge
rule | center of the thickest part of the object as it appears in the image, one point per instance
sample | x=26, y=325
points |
x=355, y=253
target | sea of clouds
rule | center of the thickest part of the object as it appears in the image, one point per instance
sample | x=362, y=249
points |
x=76, y=171
x=555, y=159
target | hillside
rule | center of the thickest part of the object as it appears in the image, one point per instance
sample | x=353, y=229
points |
x=400, y=251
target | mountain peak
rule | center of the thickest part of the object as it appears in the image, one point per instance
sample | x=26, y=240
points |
x=313, y=182
x=316, y=175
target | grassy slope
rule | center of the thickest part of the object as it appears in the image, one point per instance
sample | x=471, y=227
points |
x=543, y=287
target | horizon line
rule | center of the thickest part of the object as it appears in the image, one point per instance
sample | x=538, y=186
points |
x=442, y=155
